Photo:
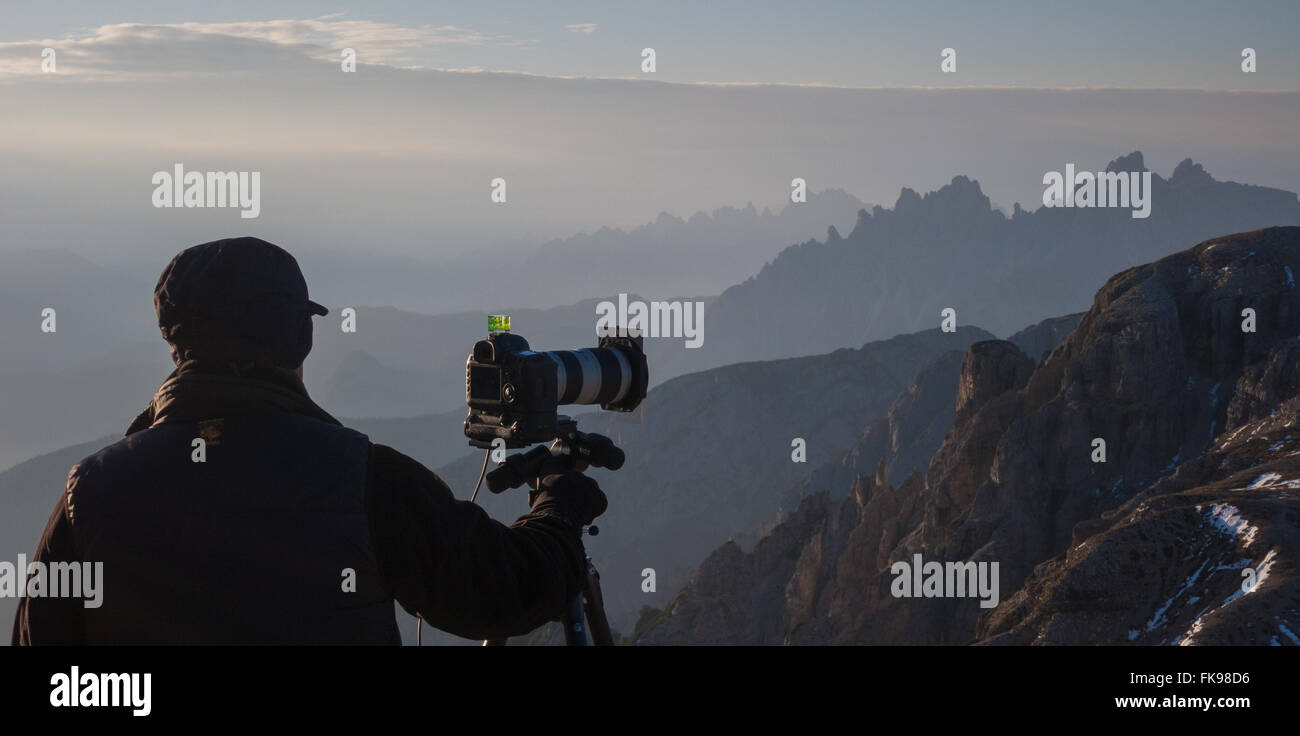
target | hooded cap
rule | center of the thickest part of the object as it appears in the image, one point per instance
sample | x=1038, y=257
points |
x=239, y=299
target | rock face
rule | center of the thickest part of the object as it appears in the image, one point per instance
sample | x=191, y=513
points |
x=904, y=438
x=907, y=437
x=1209, y=564
x=1038, y=340
x=990, y=369
x=1200, y=472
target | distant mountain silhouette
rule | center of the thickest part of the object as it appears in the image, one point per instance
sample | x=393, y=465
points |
x=900, y=267
x=362, y=386
x=669, y=256
x=1202, y=425
x=41, y=411
x=672, y=256
x=98, y=310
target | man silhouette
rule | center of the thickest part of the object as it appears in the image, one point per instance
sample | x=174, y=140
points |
x=237, y=511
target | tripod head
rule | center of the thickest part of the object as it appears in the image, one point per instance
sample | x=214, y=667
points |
x=570, y=451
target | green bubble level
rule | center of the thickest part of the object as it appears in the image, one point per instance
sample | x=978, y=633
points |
x=498, y=323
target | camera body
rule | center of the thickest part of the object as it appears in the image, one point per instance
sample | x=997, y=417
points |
x=514, y=393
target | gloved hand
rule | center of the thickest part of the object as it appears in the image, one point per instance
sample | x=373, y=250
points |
x=571, y=495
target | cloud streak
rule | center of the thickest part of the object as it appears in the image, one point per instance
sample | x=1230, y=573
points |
x=142, y=51
x=127, y=52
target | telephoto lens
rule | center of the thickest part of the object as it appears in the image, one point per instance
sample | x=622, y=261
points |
x=592, y=375
x=513, y=392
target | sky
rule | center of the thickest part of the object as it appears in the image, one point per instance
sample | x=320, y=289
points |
x=1162, y=43
x=396, y=159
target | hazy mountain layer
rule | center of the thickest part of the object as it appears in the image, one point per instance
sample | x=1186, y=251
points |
x=105, y=357
x=893, y=274
x=667, y=257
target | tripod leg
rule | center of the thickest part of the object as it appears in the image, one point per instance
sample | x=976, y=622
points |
x=575, y=619
x=575, y=626
x=595, y=607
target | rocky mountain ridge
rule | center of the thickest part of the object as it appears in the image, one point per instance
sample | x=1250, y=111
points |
x=1143, y=547
x=951, y=248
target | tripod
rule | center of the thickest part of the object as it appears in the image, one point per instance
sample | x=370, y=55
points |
x=584, y=620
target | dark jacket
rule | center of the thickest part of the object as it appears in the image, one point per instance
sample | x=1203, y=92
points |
x=293, y=530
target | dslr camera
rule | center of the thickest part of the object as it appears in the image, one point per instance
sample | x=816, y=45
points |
x=514, y=392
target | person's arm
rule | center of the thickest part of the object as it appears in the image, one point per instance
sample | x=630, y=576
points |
x=46, y=620
x=463, y=572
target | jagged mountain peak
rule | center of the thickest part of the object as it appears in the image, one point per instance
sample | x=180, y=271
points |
x=1130, y=162
x=961, y=192
x=907, y=200
x=950, y=248
x=1190, y=172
